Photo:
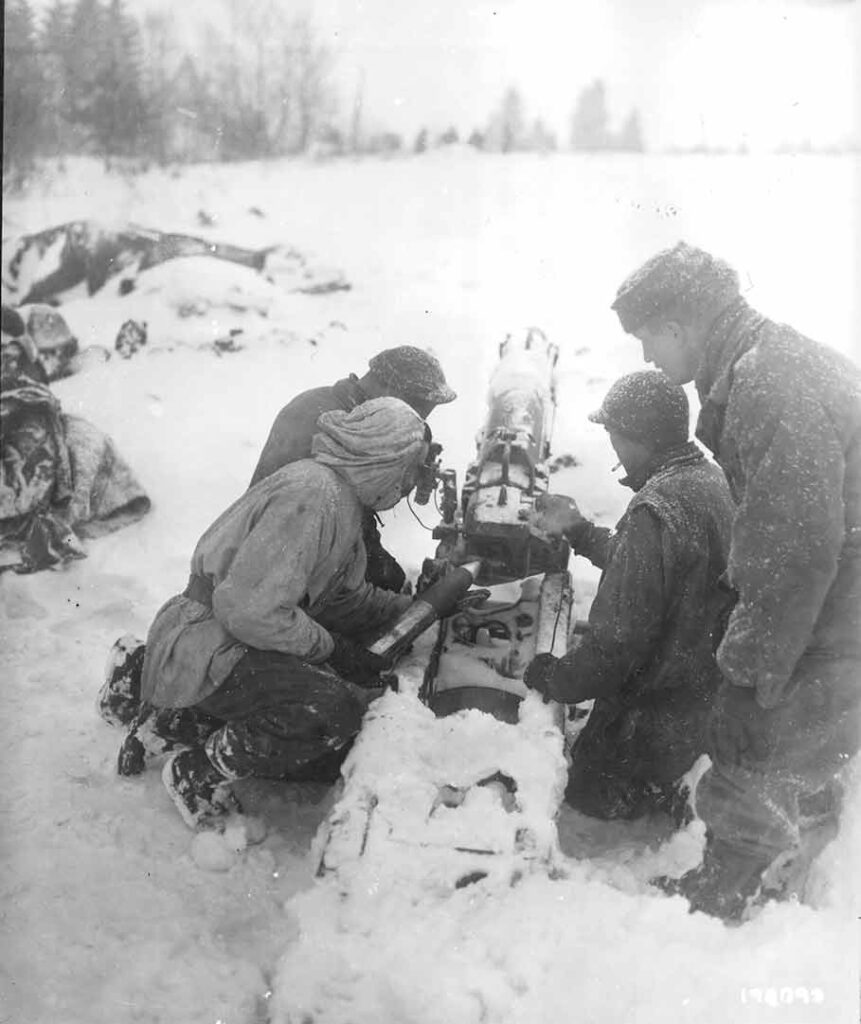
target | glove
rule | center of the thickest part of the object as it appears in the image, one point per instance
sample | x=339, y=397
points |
x=356, y=664
x=540, y=673
x=556, y=515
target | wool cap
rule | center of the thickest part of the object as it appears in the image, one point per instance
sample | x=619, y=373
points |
x=646, y=406
x=413, y=374
x=681, y=276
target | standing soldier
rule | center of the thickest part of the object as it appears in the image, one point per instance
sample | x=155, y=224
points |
x=782, y=415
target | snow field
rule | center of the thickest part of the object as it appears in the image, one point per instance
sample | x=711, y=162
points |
x=110, y=912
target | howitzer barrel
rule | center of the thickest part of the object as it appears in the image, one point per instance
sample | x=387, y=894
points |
x=521, y=401
x=508, y=473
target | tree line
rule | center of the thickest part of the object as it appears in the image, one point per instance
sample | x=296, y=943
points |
x=87, y=77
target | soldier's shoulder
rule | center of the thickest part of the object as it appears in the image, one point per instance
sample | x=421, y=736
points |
x=786, y=364
x=322, y=399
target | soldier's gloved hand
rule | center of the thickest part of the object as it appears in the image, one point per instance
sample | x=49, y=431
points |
x=356, y=663
x=556, y=515
x=540, y=674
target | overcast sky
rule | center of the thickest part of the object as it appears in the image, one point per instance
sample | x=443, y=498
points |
x=715, y=71
x=699, y=69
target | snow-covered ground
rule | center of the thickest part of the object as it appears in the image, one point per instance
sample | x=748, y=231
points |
x=110, y=912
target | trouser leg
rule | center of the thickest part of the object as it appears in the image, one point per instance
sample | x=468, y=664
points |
x=750, y=796
x=284, y=718
x=627, y=762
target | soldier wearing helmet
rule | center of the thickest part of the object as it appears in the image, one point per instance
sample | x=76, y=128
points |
x=647, y=658
x=405, y=372
x=782, y=415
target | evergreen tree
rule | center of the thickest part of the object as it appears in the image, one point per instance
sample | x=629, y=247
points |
x=512, y=122
x=83, y=61
x=589, y=129
x=194, y=129
x=54, y=58
x=159, y=64
x=506, y=129
x=541, y=139
x=118, y=109
x=631, y=135
x=22, y=85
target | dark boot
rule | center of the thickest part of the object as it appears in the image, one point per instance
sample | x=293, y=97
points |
x=120, y=695
x=157, y=731
x=723, y=885
x=200, y=792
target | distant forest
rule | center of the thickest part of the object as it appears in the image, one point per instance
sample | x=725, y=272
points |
x=87, y=77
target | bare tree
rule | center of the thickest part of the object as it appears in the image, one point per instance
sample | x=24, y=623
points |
x=314, y=99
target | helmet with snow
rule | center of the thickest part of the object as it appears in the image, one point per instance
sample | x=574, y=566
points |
x=52, y=337
x=412, y=374
x=646, y=406
x=675, y=284
x=378, y=446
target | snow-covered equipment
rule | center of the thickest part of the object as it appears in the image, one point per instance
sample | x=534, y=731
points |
x=451, y=791
x=80, y=257
x=490, y=518
x=489, y=521
x=470, y=795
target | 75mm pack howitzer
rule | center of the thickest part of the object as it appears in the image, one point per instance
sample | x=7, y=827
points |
x=456, y=777
x=485, y=538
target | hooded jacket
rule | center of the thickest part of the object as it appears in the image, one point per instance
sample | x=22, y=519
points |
x=286, y=563
x=782, y=415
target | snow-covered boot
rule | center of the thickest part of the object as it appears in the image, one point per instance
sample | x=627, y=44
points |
x=120, y=695
x=157, y=731
x=723, y=885
x=818, y=824
x=202, y=795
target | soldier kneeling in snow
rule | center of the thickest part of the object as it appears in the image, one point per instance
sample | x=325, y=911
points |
x=251, y=668
x=647, y=658
x=405, y=372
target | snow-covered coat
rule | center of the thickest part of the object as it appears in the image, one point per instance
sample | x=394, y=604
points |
x=782, y=415
x=659, y=602
x=286, y=564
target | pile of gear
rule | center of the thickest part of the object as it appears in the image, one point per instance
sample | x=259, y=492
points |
x=61, y=478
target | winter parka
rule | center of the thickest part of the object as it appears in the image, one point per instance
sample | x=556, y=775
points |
x=286, y=564
x=290, y=440
x=290, y=437
x=782, y=415
x=659, y=601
